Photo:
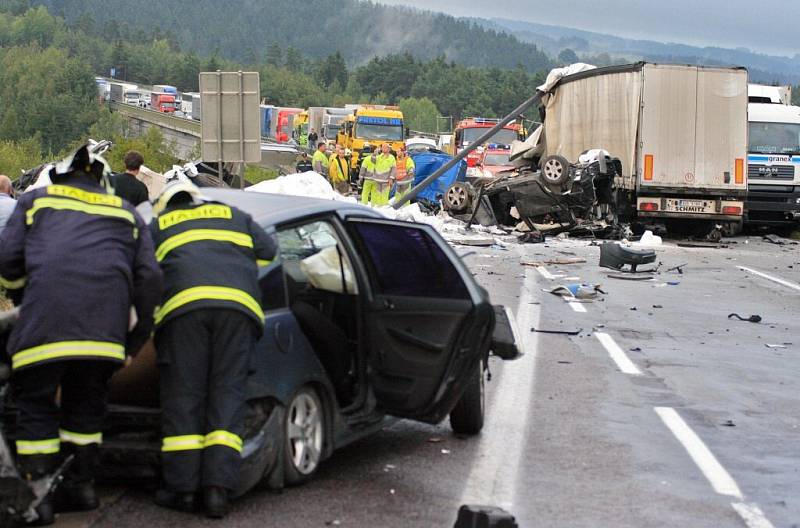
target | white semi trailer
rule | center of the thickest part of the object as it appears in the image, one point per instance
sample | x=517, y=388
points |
x=680, y=132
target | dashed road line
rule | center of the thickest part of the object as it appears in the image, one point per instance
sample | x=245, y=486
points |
x=752, y=515
x=617, y=354
x=577, y=307
x=717, y=476
x=776, y=280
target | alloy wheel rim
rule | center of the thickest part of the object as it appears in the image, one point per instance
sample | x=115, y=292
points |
x=304, y=433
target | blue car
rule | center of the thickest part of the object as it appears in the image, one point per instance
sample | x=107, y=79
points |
x=366, y=318
x=429, y=162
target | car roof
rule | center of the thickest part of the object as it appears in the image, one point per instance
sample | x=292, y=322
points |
x=272, y=209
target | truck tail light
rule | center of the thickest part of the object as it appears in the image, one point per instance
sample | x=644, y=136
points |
x=733, y=210
x=739, y=171
x=648, y=206
x=648, y=168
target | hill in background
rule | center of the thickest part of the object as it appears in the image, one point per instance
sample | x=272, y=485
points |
x=554, y=39
x=243, y=30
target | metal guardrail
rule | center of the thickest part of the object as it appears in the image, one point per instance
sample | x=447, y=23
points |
x=179, y=124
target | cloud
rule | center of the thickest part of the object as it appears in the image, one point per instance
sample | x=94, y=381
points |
x=767, y=25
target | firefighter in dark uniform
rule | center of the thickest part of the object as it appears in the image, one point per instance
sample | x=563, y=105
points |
x=79, y=259
x=206, y=330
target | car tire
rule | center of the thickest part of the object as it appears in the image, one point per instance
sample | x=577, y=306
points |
x=457, y=198
x=555, y=170
x=303, y=436
x=467, y=416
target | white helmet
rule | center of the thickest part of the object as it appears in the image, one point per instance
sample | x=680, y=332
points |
x=174, y=188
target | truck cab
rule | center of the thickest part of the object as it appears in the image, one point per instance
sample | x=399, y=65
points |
x=469, y=130
x=773, y=157
x=373, y=125
x=162, y=102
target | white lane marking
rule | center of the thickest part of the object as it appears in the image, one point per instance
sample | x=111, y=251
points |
x=577, y=307
x=718, y=476
x=499, y=457
x=752, y=515
x=776, y=280
x=617, y=354
x=544, y=273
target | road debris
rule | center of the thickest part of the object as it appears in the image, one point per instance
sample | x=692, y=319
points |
x=558, y=262
x=584, y=291
x=679, y=269
x=751, y=319
x=616, y=256
x=484, y=517
x=630, y=277
x=728, y=423
x=775, y=346
x=558, y=332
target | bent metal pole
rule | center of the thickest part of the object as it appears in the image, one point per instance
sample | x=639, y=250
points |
x=463, y=154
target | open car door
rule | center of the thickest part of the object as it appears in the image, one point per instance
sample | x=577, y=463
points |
x=428, y=323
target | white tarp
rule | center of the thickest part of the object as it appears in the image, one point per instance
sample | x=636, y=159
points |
x=598, y=112
x=557, y=74
x=308, y=184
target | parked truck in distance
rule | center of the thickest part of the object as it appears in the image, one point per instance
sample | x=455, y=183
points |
x=679, y=131
x=125, y=93
x=773, y=157
x=167, y=89
x=162, y=102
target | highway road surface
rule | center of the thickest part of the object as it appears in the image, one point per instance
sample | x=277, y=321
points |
x=662, y=411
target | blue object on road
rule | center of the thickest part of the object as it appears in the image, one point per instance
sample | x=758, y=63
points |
x=429, y=162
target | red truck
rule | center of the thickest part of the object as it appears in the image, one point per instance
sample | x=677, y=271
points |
x=162, y=102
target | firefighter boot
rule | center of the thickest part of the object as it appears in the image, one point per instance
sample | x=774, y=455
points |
x=35, y=467
x=77, y=492
x=216, y=502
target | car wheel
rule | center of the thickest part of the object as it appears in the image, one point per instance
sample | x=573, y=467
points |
x=456, y=198
x=467, y=416
x=304, y=433
x=555, y=170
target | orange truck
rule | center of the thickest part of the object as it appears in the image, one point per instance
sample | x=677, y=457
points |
x=470, y=129
x=162, y=102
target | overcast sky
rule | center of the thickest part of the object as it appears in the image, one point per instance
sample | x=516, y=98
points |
x=770, y=26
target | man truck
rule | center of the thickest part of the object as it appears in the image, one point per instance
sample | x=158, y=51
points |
x=773, y=157
x=679, y=131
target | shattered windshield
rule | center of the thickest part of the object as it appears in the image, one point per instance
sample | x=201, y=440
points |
x=496, y=159
x=503, y=137
x=775, y=138
x=383, y=132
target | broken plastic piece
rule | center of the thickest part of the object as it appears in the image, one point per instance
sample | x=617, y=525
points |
x=484, y=517
x=558, y=332
x=615, y=256
x=577, y=291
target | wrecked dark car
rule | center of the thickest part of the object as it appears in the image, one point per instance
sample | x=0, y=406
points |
x=365, y=318
x=554, y=191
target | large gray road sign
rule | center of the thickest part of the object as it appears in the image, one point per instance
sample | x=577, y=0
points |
x=231, y=132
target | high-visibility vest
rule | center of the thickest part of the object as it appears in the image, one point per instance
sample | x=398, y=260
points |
x=405, y=170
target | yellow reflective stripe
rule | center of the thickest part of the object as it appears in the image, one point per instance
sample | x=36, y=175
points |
x=80, y=439
x=84, y=196
x=38, y=447
x=262, y=262
x=66, y=349
x=65, y=204
x=223, y=438
x=12, y=284
x=200, y=293
x=182, y=443
x=197, y=235
x=198, y=213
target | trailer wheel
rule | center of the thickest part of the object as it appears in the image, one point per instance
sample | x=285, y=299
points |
x=555, y=170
